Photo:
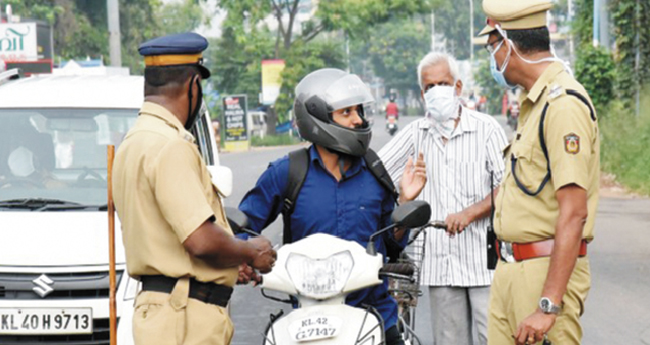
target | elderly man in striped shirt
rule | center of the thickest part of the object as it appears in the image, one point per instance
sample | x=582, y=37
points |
x=462, y=148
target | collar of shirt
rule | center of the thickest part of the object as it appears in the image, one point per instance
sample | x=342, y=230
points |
x=466, y=124
x=355, y=168
x=544, y=79
x=160, y=112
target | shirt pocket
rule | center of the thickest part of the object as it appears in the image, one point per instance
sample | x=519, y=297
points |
x=469, y=181
x=528, y=165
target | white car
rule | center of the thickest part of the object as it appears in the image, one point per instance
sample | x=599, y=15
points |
x=54, y=266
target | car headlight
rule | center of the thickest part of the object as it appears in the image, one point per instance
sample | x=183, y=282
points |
x=320, y=278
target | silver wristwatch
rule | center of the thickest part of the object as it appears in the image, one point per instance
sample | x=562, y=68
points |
x=547, y=306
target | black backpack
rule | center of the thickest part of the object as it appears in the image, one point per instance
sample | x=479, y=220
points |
x=298, y=166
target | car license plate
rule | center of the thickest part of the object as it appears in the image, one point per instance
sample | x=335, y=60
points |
x=46, y=320
x=315, y=327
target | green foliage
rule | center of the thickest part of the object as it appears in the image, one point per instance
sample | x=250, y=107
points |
x=625, y=139
x=489, y=87
x=301, y=60
x=274, y=140
x=247, y=40
x=595, y=69
x=452, y=20
x=80, y=27
x=631, y=19
x=394, y=51
x=582, y=26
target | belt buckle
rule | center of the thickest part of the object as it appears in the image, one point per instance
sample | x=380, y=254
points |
x=507, y=254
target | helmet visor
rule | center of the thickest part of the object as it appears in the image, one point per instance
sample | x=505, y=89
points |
x=346, y=92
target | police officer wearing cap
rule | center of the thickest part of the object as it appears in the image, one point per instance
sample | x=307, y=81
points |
x=176, y=236
x=546, y=205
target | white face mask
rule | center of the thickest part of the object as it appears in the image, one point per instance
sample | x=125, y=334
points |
x=442, y=109
x=442, y=103
x=21, y=162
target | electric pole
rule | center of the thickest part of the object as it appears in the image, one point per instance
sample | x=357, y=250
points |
x=115, y=47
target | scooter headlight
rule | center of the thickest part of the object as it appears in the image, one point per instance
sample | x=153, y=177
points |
x=320, y=278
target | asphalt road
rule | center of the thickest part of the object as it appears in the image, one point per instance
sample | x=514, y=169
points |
x=618, y=307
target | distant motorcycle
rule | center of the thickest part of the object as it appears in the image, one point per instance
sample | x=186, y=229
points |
x=514, y=116
x=391, y=124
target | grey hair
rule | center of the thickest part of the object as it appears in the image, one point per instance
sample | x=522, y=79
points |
x=435, y=58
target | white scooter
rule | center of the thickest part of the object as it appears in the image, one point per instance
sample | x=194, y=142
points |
x=320, y=271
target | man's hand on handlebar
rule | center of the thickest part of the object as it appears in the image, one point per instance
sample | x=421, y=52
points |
x=457, y=222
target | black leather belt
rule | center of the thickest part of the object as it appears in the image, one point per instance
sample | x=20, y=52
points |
x=205, y=292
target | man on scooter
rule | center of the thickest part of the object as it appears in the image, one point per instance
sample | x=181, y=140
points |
x=340, y=195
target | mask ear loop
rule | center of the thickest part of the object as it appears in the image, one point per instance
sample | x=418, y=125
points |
x=504, y=34
x=510, y=47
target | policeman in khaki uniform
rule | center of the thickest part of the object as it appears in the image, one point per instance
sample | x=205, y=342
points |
x=546, y=205
x=176, y=236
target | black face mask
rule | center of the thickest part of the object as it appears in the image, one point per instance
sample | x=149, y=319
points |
x=192, y=116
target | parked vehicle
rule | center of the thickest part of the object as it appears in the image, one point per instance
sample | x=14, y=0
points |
x=54, y=268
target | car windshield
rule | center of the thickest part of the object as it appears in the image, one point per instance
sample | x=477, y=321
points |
x=56, y=158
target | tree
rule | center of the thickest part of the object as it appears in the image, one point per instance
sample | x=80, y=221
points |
x=490, y=89
x=595, y=69
x=631, y=18
x=393, y=50
x=80, y=27
x=250, y=22
x=453, y=17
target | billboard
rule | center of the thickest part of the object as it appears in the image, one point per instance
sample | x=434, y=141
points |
x=18, y=42
x=271, y=80
x=234, y=123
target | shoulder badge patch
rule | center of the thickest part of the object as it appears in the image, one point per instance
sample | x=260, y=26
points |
x=572, y=143
x=555, y=91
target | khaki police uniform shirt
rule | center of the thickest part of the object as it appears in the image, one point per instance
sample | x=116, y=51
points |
x=163, y=192
x=573, y=143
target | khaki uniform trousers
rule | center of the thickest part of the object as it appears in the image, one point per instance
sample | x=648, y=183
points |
x=176, y=319
x=516, y=290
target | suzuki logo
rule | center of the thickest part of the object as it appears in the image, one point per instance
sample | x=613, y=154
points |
x=43, y=287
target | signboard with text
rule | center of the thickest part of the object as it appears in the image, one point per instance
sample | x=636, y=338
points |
x=18, y=42
x=234, y=123
x=271, y=80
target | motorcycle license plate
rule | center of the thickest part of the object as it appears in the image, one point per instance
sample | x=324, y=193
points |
x=315, y=328
x=46, y=320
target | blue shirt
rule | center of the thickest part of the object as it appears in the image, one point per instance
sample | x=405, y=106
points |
x=352, y=209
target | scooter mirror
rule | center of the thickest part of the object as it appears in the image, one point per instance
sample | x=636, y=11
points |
x=237, y=219
x=412, y=214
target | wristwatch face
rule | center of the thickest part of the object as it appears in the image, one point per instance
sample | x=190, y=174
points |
x=547, y=306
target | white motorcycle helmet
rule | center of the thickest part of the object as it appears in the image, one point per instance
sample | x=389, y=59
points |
x=317, y=96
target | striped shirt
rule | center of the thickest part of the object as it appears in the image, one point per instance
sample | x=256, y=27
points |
x=458, y=176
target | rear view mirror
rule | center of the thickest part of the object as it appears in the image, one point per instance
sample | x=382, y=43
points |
x=412, y=214
x=222, y=179
x=76, y=124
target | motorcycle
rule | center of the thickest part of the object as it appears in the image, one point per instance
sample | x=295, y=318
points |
x=391, y=124
x=319, y=271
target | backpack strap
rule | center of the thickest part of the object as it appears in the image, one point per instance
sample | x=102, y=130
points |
x=376, y=166
x=298, y=166
x=542, y=143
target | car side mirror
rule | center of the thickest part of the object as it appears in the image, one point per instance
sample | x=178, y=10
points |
x=222, y=179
